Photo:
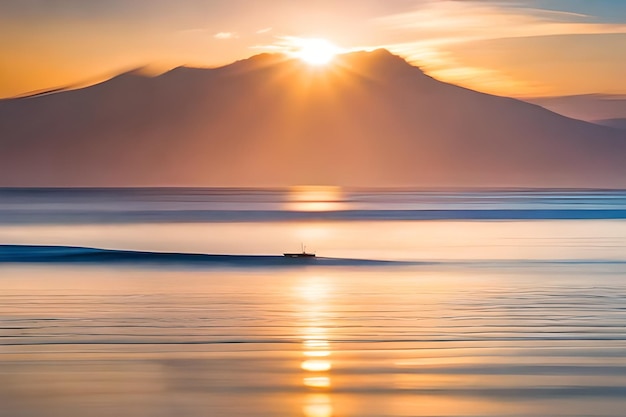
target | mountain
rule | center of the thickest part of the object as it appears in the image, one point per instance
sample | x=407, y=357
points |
x=370, y=119
x=615, y=123
x=588, y=107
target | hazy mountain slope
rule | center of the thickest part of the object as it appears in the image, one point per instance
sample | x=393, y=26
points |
x=588, y=107
x=615, y=123
x=371, y=120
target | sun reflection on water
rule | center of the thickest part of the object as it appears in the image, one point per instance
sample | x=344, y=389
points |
x=317, y=381
x=317, y=353
x=315, y=344
x=316, y=347
x=316, y=198
x=316, y=365
x=318, y=405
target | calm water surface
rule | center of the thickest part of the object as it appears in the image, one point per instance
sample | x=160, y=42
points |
x=496, y=318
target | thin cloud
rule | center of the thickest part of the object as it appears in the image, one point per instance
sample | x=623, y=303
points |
x=264, y=30
x=225, y=35
x=289, y=45
x=437, y=25
x=456, y=21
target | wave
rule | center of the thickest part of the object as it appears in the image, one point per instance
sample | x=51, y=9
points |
x=86, y=255
x=190, y=216
x=73, y=254
x=154, y=205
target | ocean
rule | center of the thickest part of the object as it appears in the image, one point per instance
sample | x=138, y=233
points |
x=178, y=302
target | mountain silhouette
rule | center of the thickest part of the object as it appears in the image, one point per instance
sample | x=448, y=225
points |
x=588, y=107
x=369, y=119
x=615, y=123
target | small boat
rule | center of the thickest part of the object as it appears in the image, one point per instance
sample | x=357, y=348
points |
x=303, y=254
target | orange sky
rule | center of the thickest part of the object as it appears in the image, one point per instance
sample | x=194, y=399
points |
x=519, y=48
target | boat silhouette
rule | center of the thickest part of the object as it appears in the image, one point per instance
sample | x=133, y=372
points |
x=303, y=254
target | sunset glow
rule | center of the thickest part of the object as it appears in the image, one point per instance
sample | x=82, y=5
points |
x=512, y=48
x=313, y=208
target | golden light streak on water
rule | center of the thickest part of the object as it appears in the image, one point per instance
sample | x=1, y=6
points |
x=312, y=344
x=316, y=365
x=316, y=198
x=318, y=405
x=316, y=353
x=315, y=292
x=317, y=381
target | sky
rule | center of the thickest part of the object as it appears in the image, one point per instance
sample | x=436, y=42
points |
x=521, y=48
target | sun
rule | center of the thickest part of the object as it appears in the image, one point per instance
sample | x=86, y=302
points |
x=315, y=51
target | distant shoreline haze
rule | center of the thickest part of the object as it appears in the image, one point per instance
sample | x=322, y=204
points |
x=370, y=119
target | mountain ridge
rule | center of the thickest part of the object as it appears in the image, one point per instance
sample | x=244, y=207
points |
x=587, y=107
x=370, y=119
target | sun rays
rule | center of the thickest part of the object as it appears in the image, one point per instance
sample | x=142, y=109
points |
x=315, y=51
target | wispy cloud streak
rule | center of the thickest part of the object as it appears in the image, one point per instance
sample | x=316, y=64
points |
x=438, y=25
x=225, y=35
x=457, y=21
